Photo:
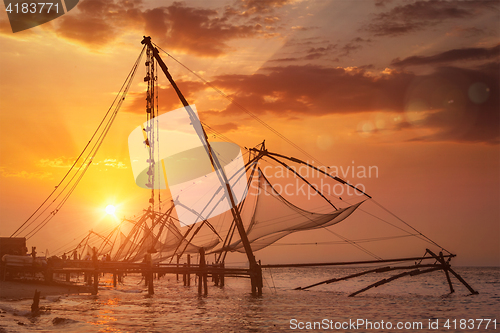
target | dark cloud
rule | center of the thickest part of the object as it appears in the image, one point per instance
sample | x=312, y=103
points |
x=250, y=7
x=285, y=59
x=348, y=48
x=464, y=54
x=312, y=53
x=420, y=15
x=325, y=50
x=98, y=22
x=199, y=31
x=322, y=49
x=313, y=48
x=382, y=3
x=455, y=104
x=315, y=90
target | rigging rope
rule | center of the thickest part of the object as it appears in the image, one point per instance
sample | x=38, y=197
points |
x=251, y=114
x=354, y=244
x=421, y=234
x=120, y=97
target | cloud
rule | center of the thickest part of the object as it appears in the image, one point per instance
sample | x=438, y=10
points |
x=249, y=7
x=301, y=28
x=381, y=3
x=58, y=162
x=25, y=174
x=96, y=23
x=311, y=54
x=421, y=15
x=111, y=163
x=315, y=90
x=66, y=163
x=453, y=104
x=198, y=31
x=456, y=105
x=322, y=50
x=464, y=54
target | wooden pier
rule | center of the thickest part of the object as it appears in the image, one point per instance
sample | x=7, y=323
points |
x=93, y=269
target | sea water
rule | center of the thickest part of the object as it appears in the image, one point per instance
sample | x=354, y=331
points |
x=410, y=304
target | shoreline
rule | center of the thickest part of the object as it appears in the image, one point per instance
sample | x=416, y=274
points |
x=19, y=290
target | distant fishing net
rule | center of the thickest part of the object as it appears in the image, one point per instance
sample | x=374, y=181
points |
x=142, y=240
x=275, y=217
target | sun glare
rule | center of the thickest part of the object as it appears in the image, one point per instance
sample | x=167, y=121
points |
x=110, y=209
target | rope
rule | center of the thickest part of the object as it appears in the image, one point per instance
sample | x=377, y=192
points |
x=354, y=244
x=262, y=122
x=421, y=234
x=123, y=91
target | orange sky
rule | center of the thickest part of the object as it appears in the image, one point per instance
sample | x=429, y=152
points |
x=409, y=87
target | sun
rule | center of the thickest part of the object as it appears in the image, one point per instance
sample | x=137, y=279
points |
x=110, y=209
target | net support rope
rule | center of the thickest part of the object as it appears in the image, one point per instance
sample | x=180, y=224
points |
x=117, y=102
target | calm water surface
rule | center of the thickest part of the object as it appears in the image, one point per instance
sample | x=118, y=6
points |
x=410, y=301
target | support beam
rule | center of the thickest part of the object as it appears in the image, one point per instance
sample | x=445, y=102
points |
x=446, y=267
x=202, y=275
x=188, y=277
x=177, y=275
x=459, y=278
x=341, y=263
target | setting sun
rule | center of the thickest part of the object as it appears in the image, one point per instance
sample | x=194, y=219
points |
x=110, y=209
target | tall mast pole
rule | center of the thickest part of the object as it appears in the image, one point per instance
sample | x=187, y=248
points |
x=150, y=129
x=211, y=154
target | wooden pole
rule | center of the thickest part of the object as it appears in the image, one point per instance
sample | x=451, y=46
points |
x=151, y=290
x=215, y=276
x=114, y=280
x=96, y=271
x=36, y=301
x=184, y=279
x=259, y=279
x=459, y=278
x=200, y=284
x=446, y=265
x=202, y=277
x=177, y=275
x=188, y=276
x=342, y=263
x=222, y=275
